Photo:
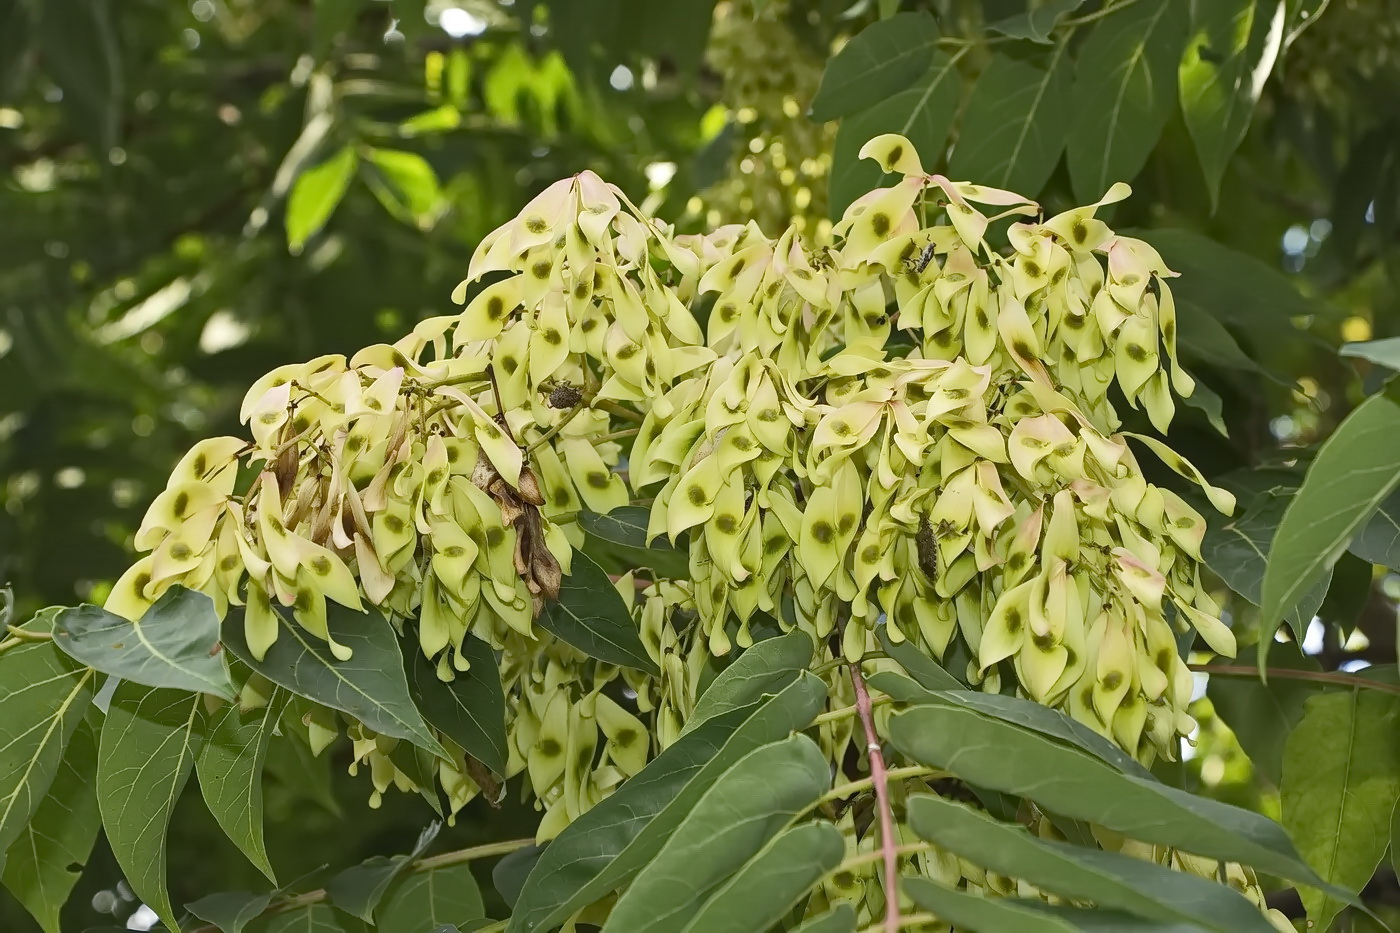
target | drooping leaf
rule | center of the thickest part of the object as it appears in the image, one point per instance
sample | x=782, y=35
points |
x=925, y=670
x=1384, y=352
x=44, y=694
x=1341, y=778
x=839, y=919
x=422, y=900
x=610, y=843
x=1262, y=715
x=471, y=710
x=1064, y=780
x=358, y=889
x=748, y=805
x=45, y=862
x=590, y=615
x=1016, y=122
x=147, y=749
x=230, y=769
x=1231, y=51
x=1108, y=879
x=1036, y=23
x=1124, y=91
x=230, y=911
x=765, y=668
x=976, y=914
x=923, y=114
x=370, y=686
x=175, y=644
x=1378, y=541
x=316, y=194
x=405, y=184
x=1353, y=472
x=766, y=887
x=882, y=59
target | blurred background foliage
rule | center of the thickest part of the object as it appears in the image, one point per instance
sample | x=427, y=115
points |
x=192, y=193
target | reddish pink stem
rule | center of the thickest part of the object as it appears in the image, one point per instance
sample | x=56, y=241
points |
x=878, y=776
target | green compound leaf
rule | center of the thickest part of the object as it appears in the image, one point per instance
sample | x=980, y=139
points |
x=880, y=60
x=147, y=749
x=1124, y=92
x=45, y=862
x=768, y=885
x=1064, y=780
x=175, y=644
x=976, y=914
x=1108, y=879
x=230, y=769
x=423, y=900
x=745, y=808
x=316, y=194
x=1353, y=472
x=1341, y=778
x=471, y=710
x=370, y=686
x=1016, y=122
x=608, y=845
x=590, y=615
x=765, y=668
x=44, y=694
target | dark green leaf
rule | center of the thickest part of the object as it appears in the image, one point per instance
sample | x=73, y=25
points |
x=626, y=526
x=1035, y=24
x=1341, y=778
x=420, y=900
x=315, y=196
x=765, y=668
x=610, y=843
x=358, y=890
x=764, y=889
x=923, y=114
x=1232, y=48
x=370, y=686
x=745, y=808
x=148, y=747
x=924, y=669
x=303, y=776
x=510, y=872
x=230, y=769
x=882, y=59
x=982, y=750
x=1379, y=539
x=1262, y=715
x=316, y=918
x=1108, y=879
x=471, y=710
x=1124, y=91
x=230, y=911
x=1016, y=122
x=81, y=47
x=1384, y=352
x=175, y=644
x=590, y=615
x=44, y=863
x=1353, y=472
x=1201, y=338
x=1205, y=400
x=973, y=913
x=44, y=697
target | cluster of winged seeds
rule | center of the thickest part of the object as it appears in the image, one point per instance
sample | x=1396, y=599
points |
x=910, y=431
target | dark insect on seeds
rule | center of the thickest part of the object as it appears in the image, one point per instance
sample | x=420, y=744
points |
x=927, y=544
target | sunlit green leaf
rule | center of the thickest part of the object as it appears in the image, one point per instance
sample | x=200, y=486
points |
x=405, y=184
x=316, y=194
x=590, y=615
x=882, y=59
x=230, y=769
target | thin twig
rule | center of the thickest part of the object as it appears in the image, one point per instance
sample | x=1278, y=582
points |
x=836, y=715
x=19, y=636
x=1097, y=14
x=1288, y=673
x=878, y=776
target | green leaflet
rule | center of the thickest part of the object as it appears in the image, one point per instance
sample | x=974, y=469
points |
x=839, y=919
x=317, y=918
x=590, y=615
x=404, y=183
x=976, y=914
x=610, y=843
x=618, y=540
x=230, y=911
x=765, y=668
x=175, y=644
x=230, y=768
x=1035, y=24
x=882, y=59
x=1341, y=778
x=147, y=749
x=316, y=194
x=1384, y=352
x=1016, y=122
x=60, y=833
x=45, y=695
x=745, y=807
x=1124, y=93
x=471, y=710
x=1064, y=780
x=421, y=900
x=1134, y=885
x=370, y=686
x=767, y=886
x=358, y=889
x=924, y=669
x=1353, y=472
x=1378, y=541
